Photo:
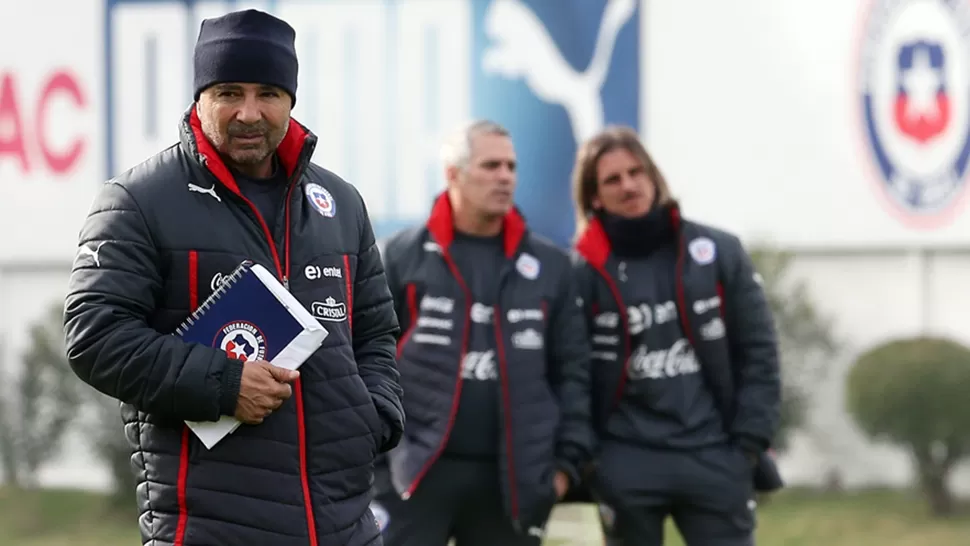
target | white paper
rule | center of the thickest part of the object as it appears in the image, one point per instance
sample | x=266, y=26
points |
x=290, y=357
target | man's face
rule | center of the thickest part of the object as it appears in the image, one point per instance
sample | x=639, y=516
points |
x=244, y=121
x=487, y=183
x=623, y=187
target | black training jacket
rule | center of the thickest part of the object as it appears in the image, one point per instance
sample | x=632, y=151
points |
x=541, y=347
x=725, y=316
x=155, y=245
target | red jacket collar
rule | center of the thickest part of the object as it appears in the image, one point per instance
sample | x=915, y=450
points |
x=594, y=245
x=288, y=151
x=441, y=225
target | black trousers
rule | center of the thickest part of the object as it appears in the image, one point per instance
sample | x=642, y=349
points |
x=458, y=499
x=708, y=493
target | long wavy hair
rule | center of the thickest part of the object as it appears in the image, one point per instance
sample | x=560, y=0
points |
x=584, y=180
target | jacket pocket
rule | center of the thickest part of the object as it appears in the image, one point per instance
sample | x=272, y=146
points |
x=370, y=416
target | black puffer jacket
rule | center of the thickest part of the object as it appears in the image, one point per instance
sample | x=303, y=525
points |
x=152, y=249
x=542, y=352
x=725, y=316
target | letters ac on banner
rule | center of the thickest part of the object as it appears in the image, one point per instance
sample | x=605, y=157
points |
x=29, y=128
x=51, y=136
x=49, y=128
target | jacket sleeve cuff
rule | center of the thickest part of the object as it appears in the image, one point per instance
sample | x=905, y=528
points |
x=390, y=432
x=231, y=379
x=570, y=470
x=390, y=436
x=750, y=445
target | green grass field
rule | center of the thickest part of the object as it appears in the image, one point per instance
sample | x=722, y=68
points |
x=797, y=518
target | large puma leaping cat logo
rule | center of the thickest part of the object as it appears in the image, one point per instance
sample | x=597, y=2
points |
x=521, y=47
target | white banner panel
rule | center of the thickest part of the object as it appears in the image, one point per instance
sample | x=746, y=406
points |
x=817, y=124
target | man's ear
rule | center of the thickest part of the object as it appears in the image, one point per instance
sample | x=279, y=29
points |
x=451, y=175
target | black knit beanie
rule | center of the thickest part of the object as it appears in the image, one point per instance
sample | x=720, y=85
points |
x=246, y=47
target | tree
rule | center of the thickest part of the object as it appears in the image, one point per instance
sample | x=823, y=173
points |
x=39, y=403
x=914, y=392
x=805, y=338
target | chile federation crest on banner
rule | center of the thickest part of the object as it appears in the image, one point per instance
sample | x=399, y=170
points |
x=915, y=87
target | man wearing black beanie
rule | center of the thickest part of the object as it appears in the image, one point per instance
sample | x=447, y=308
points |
x=156, y=244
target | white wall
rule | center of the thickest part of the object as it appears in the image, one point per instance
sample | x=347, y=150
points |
x=754, y=115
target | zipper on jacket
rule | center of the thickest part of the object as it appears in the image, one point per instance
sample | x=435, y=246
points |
x=283, y=243
x=283, y=273
x=503, y=371
x=250, y=211
x=292, y=183
x=506, y=398
x=507, y=410
x=624, y=332
x=298, y=384
x=681, y=296
x=456, y=397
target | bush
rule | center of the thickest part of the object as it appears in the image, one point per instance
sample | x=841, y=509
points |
x=916, y=393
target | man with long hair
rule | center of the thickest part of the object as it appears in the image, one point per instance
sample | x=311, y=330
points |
x=686, y=389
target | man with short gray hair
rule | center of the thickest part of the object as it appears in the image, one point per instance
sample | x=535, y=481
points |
x=494, y=363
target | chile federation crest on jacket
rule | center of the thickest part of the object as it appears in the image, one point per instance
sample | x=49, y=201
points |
x=915, y=87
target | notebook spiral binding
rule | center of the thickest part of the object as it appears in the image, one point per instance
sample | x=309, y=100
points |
x=228, y=281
